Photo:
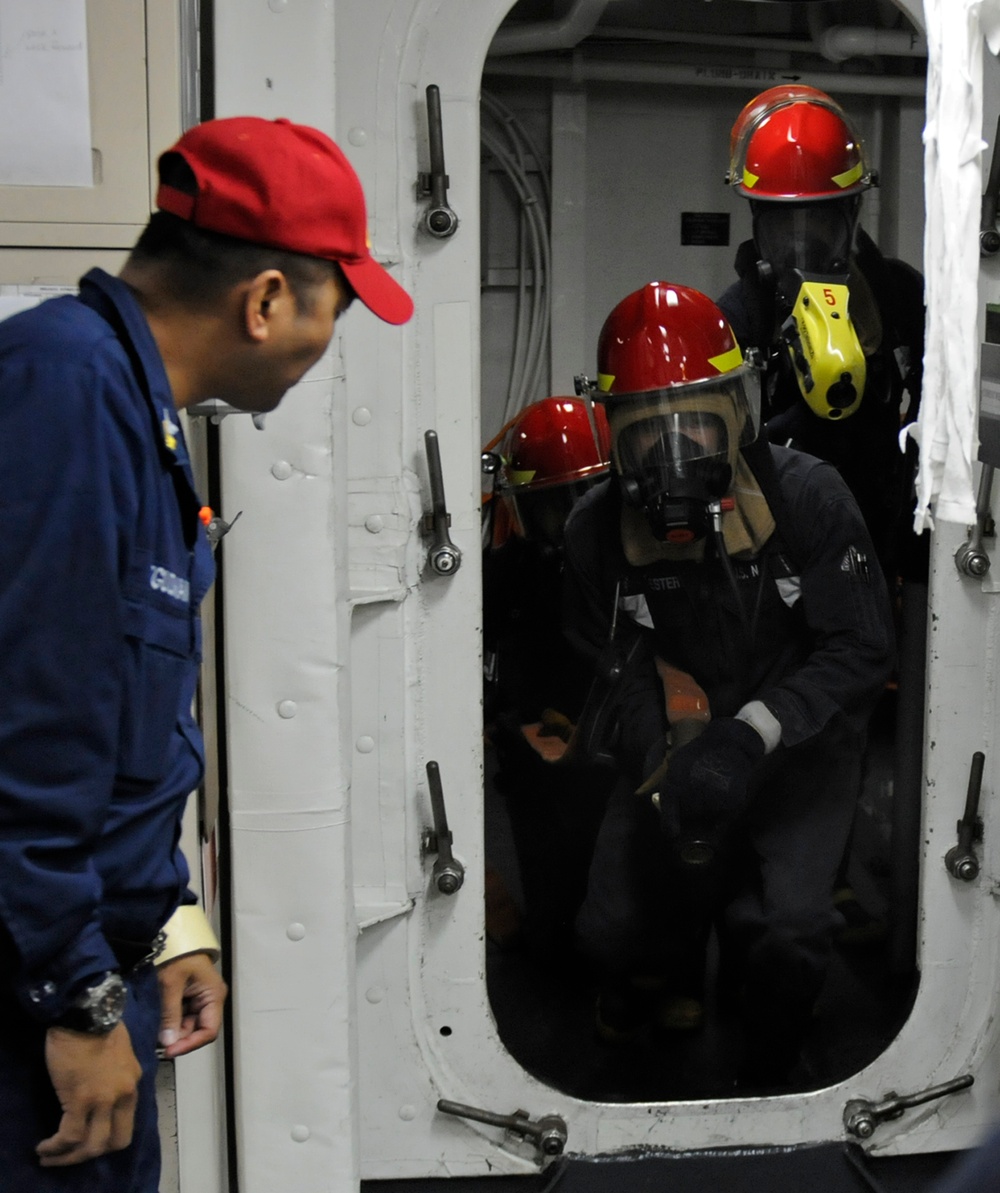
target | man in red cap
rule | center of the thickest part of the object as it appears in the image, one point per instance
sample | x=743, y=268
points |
x=231, y=292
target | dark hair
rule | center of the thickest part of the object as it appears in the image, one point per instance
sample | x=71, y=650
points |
x=204, y=265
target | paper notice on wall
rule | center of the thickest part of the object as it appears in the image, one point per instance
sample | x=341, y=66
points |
x=19, y=298
x=44, y=94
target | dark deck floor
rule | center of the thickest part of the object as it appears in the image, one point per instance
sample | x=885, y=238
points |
x=544, y=1004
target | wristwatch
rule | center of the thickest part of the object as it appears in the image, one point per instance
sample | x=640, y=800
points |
x=96, y=1009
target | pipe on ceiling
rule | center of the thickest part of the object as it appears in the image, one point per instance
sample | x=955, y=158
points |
x=844, y=40
x=562, y=33
x=585, y=70
x=840, y=42
x=837, y=43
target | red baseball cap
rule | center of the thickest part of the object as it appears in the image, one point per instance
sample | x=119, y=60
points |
x=287, y=186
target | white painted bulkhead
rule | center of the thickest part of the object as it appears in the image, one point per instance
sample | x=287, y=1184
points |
x=359, y=992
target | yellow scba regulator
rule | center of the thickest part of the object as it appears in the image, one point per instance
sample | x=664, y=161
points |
x=827, y=357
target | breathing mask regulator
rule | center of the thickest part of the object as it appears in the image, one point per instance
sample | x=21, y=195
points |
x=796, y=156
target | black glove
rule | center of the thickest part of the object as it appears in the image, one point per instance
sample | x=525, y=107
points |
x=708, y=779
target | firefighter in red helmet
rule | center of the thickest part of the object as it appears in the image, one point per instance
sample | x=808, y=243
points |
x=550, y=454
x=748, y=570
x=840, y=326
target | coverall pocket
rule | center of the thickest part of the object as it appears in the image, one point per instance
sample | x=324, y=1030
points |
x=867, y=612
x=158, y=662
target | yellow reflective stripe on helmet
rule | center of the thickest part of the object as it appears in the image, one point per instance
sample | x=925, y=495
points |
x=728, y=360
x=605, y=382
x=849, y=176
x=750, y=180
x=522, y=478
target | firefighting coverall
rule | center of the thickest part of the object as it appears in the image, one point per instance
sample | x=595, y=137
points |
x=809, y=634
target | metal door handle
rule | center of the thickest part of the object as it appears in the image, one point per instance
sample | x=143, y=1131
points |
x=449, y=873
x=439, y=219
x=961, y=860
x=442, y=555
x=861, y=1116
x=971, y=558
x=989, y=237
x=548, y=1132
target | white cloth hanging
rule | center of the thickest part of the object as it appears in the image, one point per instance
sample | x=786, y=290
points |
x=946, y=428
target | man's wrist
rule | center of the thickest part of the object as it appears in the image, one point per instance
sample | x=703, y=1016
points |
x=188, y=931
x=97, y=1008
x=758, y=716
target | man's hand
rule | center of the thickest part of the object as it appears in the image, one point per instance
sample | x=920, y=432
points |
x=192, y=994
x=709, y=778
x=96, y=1080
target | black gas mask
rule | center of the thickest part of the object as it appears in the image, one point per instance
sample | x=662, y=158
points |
x=797, y=239
x=805, y=250
x=674, y=466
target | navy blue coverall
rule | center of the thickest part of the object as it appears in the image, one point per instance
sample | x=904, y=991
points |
x=814, y=643
x=103, y=565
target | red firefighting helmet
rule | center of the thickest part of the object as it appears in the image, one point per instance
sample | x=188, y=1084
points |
x=668, y=348
x=660, y=336
x=794, y=142
x=555, y=441
x=682, y=402
x=552, y=453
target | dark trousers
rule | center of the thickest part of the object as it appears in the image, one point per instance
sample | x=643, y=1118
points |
x=978, y=1171
x=29, y=1111
x=554, y=811
x=768, y=889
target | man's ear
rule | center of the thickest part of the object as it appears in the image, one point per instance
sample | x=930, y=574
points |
x=263, y=300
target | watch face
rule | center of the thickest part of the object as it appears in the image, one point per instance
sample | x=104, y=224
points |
x=97, y=1009
x=107, y=1002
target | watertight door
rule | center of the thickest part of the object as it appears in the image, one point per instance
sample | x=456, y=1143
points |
x=355, y=1019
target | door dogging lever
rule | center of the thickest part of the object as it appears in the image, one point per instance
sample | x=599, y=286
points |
x=442, y=555
x=448, y=873
x=861, y=1117
x=548, y=1133
x=971, y=558
x=439, y=219
x=961, y=860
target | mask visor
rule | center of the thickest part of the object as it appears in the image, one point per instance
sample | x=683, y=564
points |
x=809, y=237
x=719, y=415
x=542, y=512
x=676, y=449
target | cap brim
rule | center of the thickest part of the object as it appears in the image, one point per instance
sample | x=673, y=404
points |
x=380, y=292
